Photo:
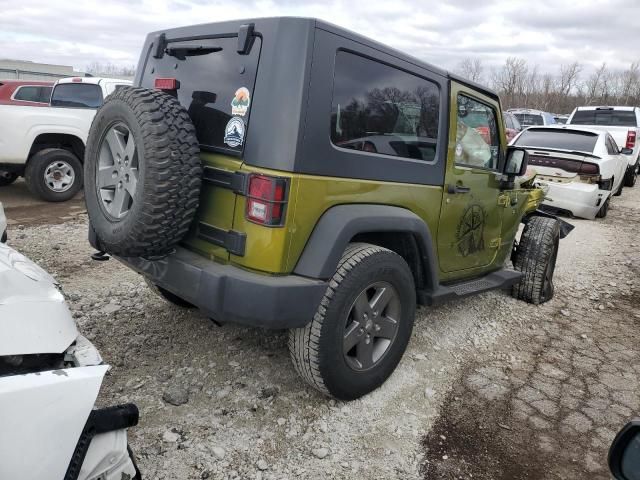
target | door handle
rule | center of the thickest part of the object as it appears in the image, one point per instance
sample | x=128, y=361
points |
x=457, y=189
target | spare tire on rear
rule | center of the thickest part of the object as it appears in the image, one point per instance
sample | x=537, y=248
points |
x=142, y=173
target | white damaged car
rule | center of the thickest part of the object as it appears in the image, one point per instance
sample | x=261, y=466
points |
x=50, y=376
x=581, y=167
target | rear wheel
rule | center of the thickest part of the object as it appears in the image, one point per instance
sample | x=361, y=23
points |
x=604, y=209
x=362, y=326
x=631, y=177
x=619, y=191
x=535, y=257
x=54, y=175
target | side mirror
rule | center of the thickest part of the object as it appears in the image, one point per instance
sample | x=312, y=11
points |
x=626, y=151
x=624, y=454
x=517, y=161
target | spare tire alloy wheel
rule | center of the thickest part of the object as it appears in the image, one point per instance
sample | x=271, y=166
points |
x=117, y=172
x=143, y=173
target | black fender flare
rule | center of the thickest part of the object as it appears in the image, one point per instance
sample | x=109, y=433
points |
x=565, y=227
x=339, y=224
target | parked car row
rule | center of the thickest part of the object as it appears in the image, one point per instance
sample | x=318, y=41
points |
x=45, y=142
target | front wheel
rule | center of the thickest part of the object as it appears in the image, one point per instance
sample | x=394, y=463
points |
x=362, y=326
x=535, y=257
x=54, y=175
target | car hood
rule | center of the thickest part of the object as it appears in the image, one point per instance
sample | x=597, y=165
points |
x=34, y=317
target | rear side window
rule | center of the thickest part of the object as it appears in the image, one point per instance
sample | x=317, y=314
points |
x=32, y=93
x=528, y=119
x=216, y=87
x=381, y=109
x=561, y=139
x=614, y=118
x=77, y=95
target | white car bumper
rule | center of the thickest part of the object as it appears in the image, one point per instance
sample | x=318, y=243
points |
x=581, y=199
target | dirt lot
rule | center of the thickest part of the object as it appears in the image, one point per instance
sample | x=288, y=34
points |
x=490, y=388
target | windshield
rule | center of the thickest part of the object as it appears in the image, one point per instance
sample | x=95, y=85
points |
x=528, y=119
x=613, y=118
x=560, y=139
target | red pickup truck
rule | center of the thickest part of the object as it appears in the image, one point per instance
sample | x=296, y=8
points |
x=25, y=92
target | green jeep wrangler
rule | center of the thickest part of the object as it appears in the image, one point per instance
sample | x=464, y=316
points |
x=285, y=173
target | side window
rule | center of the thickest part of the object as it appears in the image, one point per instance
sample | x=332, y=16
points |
x=381, y=109
x=612, y=147
x=477, y=137
x=28, y=93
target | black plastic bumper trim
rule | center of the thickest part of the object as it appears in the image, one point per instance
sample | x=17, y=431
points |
x=231, y=294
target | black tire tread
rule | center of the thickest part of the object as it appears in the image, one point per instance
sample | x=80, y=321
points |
x=303, y=342
x=535, y=248
x=173, y=172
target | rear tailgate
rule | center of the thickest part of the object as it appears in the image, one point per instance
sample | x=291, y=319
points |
x=215, y=85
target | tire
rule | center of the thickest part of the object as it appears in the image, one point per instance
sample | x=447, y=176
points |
x=7, y=178
x=168, y=296
x=631, y=176
x=54, y=175
x=604, y=209
x=144, y=206
x=317, y=350
x=620, y=188
x=535, y=257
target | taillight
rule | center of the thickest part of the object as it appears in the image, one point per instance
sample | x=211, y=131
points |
x=631, y=139
x=266, y=199
x=166, y=83
x=589, y=169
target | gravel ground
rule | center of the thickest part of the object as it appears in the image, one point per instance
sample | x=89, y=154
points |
x=490, y=387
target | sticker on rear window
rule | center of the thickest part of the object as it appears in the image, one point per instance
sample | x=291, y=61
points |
x=234, y=132
x=240, y=102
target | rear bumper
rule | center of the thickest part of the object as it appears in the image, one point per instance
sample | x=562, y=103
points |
x=581, y=199
x=231, y=294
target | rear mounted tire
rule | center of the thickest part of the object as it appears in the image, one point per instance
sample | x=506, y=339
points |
x=142, y=173
x=535, y=257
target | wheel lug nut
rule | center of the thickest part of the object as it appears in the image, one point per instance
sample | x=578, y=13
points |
x=377, y=328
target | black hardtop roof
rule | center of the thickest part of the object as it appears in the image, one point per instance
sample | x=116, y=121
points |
x=273, y=23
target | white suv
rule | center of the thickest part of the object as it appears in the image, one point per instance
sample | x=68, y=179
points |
x=46, y=144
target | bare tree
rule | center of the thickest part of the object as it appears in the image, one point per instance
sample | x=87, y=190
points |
x=471, y=69
x=110, y=69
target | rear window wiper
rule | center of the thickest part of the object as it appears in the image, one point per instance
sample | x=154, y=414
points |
x=181, y=52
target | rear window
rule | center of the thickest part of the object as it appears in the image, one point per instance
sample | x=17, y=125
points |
x=77, y=95
x=528, y=119
x=380, y=109
x=613, y=118
x=216, y=87
x=561, y=139
x=32, y=93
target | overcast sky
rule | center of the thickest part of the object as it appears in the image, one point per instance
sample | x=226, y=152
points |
x=544, y=32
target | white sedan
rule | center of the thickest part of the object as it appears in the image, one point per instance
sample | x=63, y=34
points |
x=50, y=376
x=581, y=167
